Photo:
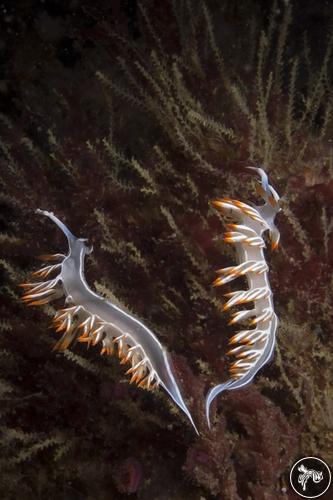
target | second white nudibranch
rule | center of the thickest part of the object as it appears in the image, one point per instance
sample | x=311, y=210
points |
x=254, y=347
x=92, y=319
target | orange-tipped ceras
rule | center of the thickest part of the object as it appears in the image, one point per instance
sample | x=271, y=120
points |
x=90, y=318
x=257, y=344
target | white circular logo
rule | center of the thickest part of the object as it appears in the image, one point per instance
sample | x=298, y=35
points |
x=310, y=477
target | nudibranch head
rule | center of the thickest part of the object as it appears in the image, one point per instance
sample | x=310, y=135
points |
x=271, y=206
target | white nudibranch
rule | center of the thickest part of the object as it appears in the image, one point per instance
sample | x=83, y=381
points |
x=90, y=318
x=256, y=345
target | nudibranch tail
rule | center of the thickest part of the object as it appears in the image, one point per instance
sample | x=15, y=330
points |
x=91, y=319
x=254, y=347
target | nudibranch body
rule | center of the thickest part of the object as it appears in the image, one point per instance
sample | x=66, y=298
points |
x=93, y=319
x=256, y=345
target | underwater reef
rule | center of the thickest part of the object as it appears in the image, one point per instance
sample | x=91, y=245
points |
x=126, y=119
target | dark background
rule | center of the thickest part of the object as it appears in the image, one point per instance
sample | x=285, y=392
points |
x=71, y=427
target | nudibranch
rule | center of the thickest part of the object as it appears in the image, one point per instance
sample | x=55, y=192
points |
x=256, y=344
x=89, y=318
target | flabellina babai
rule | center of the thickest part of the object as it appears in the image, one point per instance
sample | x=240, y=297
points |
x=256, y=344
x=90, y=318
